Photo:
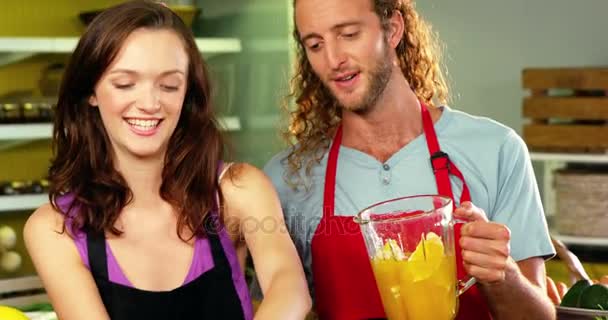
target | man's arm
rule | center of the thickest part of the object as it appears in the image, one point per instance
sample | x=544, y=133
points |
x=514, y=290
x=522, y=293
x=517, y=232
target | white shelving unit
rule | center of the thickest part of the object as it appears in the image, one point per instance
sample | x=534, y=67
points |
x=26, y=131
x=230, y=123
x=22, y=202
x=13, y=49
x=22, y=291
x=557, y=160
x=32, y=131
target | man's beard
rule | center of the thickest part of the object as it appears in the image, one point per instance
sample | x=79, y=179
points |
x=379, y=77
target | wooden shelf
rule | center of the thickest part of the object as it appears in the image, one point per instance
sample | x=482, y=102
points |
x=22, y=202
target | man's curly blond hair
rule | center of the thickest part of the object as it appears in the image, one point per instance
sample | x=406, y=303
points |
x=313, y=121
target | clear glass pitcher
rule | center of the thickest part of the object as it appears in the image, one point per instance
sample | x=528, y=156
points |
x=410, y=242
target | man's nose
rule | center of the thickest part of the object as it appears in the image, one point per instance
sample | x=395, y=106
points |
x=335, y=56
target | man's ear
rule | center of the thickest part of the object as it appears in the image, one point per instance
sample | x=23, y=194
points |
x=396, y=27
x=93, y=101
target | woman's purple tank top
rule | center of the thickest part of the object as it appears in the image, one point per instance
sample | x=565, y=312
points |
x=202, y=259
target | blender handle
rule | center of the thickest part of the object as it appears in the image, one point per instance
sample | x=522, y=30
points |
x=464, y=285
x=468, y=281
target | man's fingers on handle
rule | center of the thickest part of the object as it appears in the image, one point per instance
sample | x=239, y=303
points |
x=486, y=230
x=494, y=248
x=483, y=275
x=483, y=260
x=468, y=211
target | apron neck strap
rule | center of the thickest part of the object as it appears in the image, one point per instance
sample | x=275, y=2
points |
x=440, y=161
x=330, y=174
x=96, y=247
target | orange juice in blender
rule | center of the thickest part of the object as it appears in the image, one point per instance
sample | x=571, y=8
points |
x=414, y=267
x=387, y=266
x=428, y=282
x=418, y=287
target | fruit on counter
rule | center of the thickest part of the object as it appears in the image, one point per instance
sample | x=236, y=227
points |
x=10, y=261
x=8, y=313
x=17, y=187
x=584, y=294
x=594, y=297
x=571, y=298
x=8, y=237
x=30, y=110
x=12, y=188
x=39, y=311
x=10, y=112
x=37, y=307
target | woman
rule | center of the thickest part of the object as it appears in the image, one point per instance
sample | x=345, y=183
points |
x=133, y=228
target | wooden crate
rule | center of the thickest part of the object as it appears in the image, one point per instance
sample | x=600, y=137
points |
x=567, y=109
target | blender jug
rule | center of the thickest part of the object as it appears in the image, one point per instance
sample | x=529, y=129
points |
x=410, y=242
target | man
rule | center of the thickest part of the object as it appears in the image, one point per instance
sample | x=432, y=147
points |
x=368, y=83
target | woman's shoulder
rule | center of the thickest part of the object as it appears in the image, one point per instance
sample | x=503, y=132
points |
x=44, y=218
x=239, y=177
x=45, y=229
x=58, y=216
x=243, y=185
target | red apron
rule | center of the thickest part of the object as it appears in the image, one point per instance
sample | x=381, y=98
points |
x=345, y=287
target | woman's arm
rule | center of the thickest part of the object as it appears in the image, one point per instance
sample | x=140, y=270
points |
x=251, y=200
x=68, y=283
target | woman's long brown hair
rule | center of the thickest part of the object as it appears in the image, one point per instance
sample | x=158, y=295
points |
x=83, y=167
x=316, y=115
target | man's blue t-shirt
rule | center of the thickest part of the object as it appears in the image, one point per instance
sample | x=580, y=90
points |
x=492, y=157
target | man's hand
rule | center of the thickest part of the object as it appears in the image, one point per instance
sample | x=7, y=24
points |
x=514, y=290
x=485, y=245
x=556, y=291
